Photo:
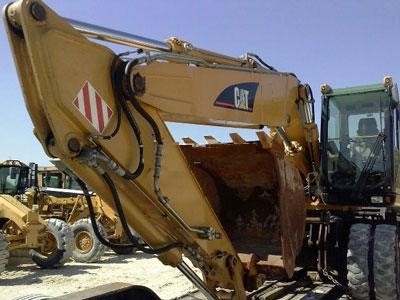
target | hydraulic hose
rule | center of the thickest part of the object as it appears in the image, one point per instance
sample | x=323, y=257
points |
x=116, y=78
x=93, y=220
x=125, y=226
x=131, y=95
x=121, y=214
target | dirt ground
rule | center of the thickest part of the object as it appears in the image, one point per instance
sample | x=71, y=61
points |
x=22, y=277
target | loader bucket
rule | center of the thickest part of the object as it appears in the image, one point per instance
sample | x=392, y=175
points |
x=259, y=198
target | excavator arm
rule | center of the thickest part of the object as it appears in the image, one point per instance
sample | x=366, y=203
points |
x=104, y=115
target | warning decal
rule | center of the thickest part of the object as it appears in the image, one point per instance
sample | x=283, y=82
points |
x=93, y=107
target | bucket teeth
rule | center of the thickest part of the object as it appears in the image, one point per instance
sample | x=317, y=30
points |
x=211, y=140
x=265, y=139
x=189, y=141
x=236, y=138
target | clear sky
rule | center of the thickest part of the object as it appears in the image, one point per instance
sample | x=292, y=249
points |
x=343, y=43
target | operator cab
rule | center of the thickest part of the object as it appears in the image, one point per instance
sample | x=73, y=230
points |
x=15, y=177
x=359, y=134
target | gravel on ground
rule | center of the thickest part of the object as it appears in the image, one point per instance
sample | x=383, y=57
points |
x=22, y=277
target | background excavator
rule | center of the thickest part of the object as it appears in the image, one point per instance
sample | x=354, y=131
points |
x=241, y=212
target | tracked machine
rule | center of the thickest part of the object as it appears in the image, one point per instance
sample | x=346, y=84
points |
x=241, y=212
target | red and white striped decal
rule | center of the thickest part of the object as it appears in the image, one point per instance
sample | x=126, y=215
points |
x=93, y=107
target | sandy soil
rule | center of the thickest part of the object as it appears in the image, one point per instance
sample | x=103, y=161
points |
x=22, y=277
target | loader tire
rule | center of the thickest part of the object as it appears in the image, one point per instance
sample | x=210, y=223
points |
x=58, y=245
x=4, y=254
x=87, y=247
x=357, y=261
x=386, y=262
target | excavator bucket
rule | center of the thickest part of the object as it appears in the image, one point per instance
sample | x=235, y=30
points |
x=259, y=198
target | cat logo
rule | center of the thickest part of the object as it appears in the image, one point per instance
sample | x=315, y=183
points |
x=239, y=96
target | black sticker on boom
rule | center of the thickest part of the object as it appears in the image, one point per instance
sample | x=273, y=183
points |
x=238, y=96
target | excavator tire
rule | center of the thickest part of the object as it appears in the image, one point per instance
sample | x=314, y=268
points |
x=87, y=247
x=385, y=259
x=4, y=254
x=357, y=261
x=58, y=248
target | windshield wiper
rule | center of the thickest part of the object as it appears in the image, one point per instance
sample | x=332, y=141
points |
x=369, y=164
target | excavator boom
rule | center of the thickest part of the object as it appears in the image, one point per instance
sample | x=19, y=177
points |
x=235, y=210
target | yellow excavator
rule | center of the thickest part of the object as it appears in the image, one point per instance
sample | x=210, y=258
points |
x=241, y=212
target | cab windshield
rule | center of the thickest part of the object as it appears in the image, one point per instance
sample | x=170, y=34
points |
x=12, y=180
x=356, y=139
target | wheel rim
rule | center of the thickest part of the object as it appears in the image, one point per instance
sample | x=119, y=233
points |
x=50, y=244
x=83, y=242
x=11, y=228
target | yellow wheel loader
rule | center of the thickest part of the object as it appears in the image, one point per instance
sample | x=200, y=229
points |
x=245, y=213
x=66, y=201
x=48, y=240
x=53, y=194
